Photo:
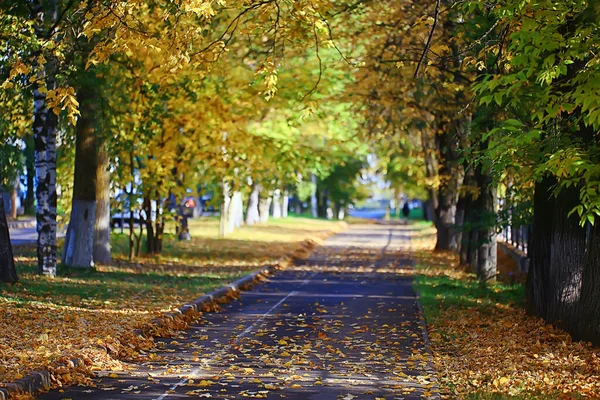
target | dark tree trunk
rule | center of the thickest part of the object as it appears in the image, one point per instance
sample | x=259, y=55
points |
x=154, y=227
x=588, y=322
x=29, y=204
x=8, y=272
x=558, y=254
x=79, y=244
x=150, y=245
x=486, y=226
x=322, y=202
x=102, y=223
x=314, y=203
x=447, y=193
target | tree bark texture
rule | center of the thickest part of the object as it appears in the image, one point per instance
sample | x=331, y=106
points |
x=447, y=193
x=8, y=272
x=79, y=245
x=485, y=210
x=29, y=204
x=102, y=222
x=558, y=256
x=45, y=124
x=252, y=213
x=588, y=322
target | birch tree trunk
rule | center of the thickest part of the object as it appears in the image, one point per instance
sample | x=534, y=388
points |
x=79, y=244
x=8, y=272
x=45, y=125
x=252, y=213
x=276, y=204
x=102, y=222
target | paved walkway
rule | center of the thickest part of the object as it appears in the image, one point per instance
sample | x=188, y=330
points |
x=342, y=324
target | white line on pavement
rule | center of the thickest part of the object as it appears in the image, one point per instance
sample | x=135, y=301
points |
x=237, y=339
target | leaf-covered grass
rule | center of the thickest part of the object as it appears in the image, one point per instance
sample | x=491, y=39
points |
x=486, y=347
x=82, y=312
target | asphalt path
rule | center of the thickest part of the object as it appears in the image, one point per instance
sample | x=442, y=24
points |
x=342, y=324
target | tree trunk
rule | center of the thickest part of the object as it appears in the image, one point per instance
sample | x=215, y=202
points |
x=225, y=225
x=486, y=221
x=237, y=209
x=276, y=204
x=154, y=226
x=285, y=203
x=14, y=200
x=264, y=205
x=252, y=213
x=558, y=254
x=8, y=272
x=102, y=222
x=447, y=193
x=322, y=203
x=45, y=125
x=314, y=203
x=29, y=204
x=79, y=245
x=588, y=322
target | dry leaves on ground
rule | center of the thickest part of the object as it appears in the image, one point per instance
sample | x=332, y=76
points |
x=93, y=315
x=487, y=347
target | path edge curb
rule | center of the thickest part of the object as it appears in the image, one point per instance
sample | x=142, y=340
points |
x=213, y=297
x=37, y=381
x=41, y=380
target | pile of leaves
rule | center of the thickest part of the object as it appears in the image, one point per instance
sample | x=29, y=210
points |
x=486, y=346
x=93, y=314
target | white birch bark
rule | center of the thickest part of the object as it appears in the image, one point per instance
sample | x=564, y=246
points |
x=45, y=125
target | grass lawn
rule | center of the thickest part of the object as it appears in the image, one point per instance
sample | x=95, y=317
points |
x=84, y=312
x=486, y=347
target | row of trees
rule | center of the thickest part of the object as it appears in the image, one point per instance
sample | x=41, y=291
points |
x=461, y=100
x=152, y=99
x=498, y=98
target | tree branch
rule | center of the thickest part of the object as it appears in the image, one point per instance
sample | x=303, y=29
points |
x=429, y=39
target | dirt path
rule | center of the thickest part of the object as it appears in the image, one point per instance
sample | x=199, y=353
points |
x=342, y=324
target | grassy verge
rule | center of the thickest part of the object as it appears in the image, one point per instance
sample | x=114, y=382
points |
x=486, y=347
x=86, y=312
